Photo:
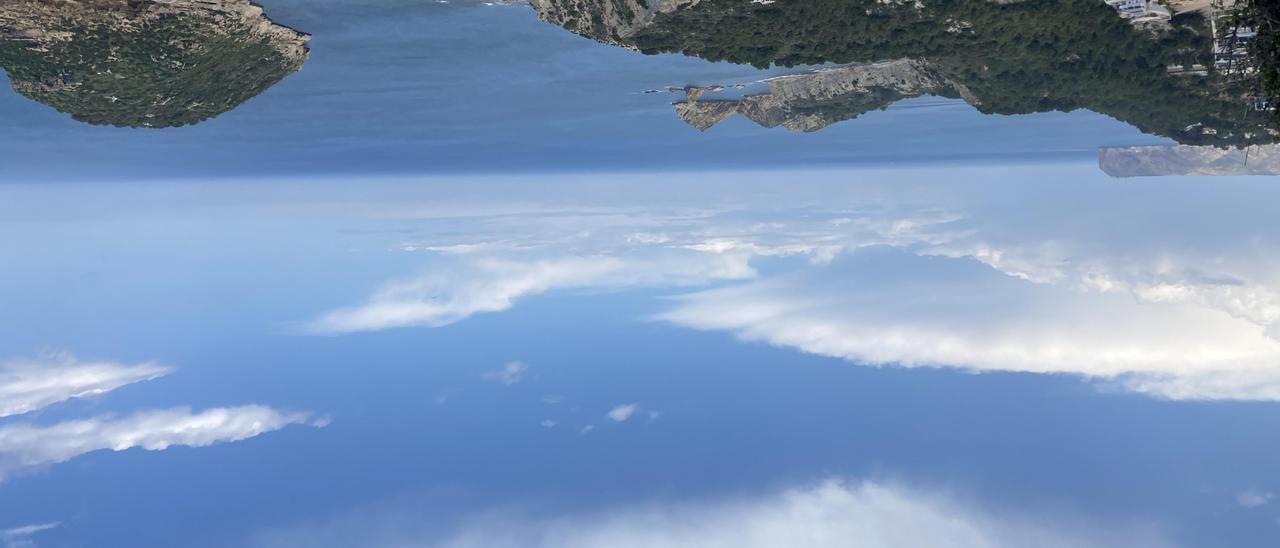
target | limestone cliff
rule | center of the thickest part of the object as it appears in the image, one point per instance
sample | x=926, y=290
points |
x=144, y=63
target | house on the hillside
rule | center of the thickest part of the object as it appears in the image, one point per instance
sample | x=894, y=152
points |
x=1140, y=11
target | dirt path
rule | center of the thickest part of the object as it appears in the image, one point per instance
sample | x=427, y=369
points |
x=1185, y=6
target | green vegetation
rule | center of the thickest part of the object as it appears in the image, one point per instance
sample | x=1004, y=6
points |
x=1030, y=56
x=165, y=72
x=824, y=112
x=1264, y=50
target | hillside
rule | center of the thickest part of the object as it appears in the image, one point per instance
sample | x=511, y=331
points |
x=1012, y=57
x=144, y=63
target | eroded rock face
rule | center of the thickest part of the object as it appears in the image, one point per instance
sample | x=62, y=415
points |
x=144, y=63
x=608, y=21
x=1155, y=161
x=809, y=102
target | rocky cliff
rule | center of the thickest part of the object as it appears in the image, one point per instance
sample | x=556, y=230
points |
x=608, y=21
x=1155, y=161
x=144, y=63
x=809, y=102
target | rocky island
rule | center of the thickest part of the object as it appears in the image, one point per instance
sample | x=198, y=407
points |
x=144, y=63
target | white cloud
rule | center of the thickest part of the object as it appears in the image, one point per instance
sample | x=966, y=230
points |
x=30, y=384
x=19, y=537
x=892, y=308
x=26, y=446
x=446, y=296
x=833, y=514
x=548, y=423
x=1091, y=276
x=1252, y=385
x=511, y=373
x=29, y=529
x=1253, y=498
x=552, y=399
x=623, y=412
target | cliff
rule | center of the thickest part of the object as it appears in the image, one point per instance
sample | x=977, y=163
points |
x=608, y=21
x=144, y=63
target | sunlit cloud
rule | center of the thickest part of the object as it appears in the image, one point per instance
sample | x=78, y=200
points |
x=832, y=514
x=27, y=385
x=27, y=446
x=1244, y=283
x=892, y=308
x=1123, y=293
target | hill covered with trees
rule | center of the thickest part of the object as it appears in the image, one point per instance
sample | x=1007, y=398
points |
x=144, y=64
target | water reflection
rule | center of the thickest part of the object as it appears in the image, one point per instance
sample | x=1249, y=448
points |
x=146, y=63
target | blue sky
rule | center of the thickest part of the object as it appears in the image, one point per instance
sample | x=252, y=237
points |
x=744, y=332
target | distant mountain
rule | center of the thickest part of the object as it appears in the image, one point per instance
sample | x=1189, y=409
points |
x=1007, y=57
x=144, y=63
x=1155, y=161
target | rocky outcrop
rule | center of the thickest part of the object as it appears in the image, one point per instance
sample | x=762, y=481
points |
x=809, y=102
x=144, y=63
x=608, y=21
x=1156, y=161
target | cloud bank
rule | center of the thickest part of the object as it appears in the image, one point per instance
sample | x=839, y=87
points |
x=1173, y=293
x=27, y=385
x=833, y=514
x=893, y=308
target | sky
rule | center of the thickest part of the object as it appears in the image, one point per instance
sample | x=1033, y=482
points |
x=995, y=354
x=460, y=282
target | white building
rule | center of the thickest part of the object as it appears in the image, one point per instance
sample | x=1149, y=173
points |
x=1139, y=11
